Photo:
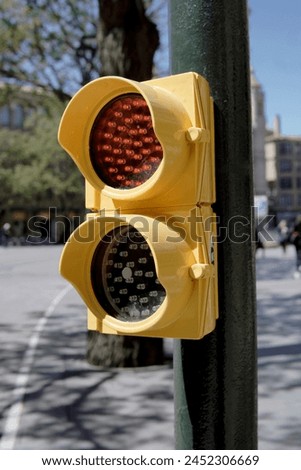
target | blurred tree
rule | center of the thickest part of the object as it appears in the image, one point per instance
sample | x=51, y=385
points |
x=50, y=45
x=34, y=170
x=59, y=46
x=127, y=39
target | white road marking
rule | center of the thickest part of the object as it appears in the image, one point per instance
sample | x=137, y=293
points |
x=12, y=421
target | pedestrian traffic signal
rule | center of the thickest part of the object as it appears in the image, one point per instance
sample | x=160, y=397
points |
x=145, y=260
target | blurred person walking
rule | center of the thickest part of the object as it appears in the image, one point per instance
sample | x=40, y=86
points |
x=5, y=234
x=283, y=234
x=296, y=240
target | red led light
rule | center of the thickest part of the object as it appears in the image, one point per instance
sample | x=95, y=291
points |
x=124, y=149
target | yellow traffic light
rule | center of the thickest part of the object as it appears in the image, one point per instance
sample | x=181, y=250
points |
x=145, y=260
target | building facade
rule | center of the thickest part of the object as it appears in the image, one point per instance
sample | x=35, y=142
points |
x=277, y=161
x=283, y=173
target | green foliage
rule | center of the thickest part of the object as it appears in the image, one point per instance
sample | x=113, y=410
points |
x=34, y=171
x=61, y=45
x=49, y=44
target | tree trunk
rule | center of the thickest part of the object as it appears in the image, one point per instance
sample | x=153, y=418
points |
x=127, y=39
x=127, y=42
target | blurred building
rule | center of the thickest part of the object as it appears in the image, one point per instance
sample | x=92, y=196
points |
x=16, y=103
x=283, y=172
x=277, y=161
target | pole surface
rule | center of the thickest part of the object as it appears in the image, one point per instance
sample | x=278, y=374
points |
x=216, y=377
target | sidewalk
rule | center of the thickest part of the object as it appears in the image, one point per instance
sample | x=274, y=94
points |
x=72, y=405
x=279, y=343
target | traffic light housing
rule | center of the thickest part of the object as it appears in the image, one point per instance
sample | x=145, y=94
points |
x=145, y=259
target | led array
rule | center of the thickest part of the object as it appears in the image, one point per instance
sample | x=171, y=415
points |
x=124, y=275
x=124, y=149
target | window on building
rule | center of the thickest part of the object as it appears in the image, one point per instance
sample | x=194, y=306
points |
x=4, y=116
x=298, y=148
x=286, y=200
x=285, y=165
x=297, y=167
x=286, y=182
x=298, y=182
x=17, y=117
x=12, y=116
x=285, y=148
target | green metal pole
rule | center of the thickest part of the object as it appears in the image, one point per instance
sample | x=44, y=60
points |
x=216, y=377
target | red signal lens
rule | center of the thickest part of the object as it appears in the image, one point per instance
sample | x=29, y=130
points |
x=124, y=149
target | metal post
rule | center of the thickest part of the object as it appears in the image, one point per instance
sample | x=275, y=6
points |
x=216, y=377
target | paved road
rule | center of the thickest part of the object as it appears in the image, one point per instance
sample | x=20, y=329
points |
x=52, y=399
x=30, y=286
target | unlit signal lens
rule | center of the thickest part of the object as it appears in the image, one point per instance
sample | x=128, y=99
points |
x=124, y=276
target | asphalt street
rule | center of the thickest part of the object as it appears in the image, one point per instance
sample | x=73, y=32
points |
x=52, y=399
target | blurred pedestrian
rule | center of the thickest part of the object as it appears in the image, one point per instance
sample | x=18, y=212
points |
x=5, y=234
x=296, y=240
x=283, y=234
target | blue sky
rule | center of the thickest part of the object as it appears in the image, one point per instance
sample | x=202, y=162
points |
x=275, y=46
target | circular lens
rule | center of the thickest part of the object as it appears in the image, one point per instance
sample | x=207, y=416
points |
x=124, y=149
x=124, y=276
